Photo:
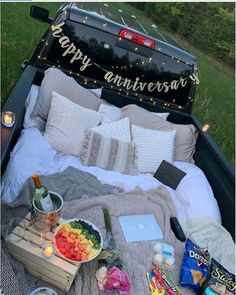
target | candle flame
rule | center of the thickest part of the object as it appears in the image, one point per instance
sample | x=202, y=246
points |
x=8, y=118
x=49, y=250
x=205, y=127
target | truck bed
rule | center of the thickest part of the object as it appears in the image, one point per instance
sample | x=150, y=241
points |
x=208, y=156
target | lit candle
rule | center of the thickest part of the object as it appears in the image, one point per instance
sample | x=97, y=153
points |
x=205, y=127
x=48, y=250
x=8, y=118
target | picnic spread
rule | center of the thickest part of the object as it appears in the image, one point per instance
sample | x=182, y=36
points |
x=81, y=203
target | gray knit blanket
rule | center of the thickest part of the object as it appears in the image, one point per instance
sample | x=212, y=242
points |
x=137, y=256
x=83, y=200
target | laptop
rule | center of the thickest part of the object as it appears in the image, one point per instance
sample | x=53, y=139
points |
x=140, y=228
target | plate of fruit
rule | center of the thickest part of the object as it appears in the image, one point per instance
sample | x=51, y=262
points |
x=78, y=240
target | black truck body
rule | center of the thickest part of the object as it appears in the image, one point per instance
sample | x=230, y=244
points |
x=132, y=68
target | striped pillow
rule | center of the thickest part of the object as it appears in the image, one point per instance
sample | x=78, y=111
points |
x=153, y=146
x=108, y=153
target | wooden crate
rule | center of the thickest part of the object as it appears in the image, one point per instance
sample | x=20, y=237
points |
x=54, y=270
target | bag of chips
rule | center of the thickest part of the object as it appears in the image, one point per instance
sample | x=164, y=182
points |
x=155, y=287
x=220, y=282
x=166, y=282
x=193, y=273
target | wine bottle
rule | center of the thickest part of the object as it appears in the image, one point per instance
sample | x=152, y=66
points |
x=41, y=196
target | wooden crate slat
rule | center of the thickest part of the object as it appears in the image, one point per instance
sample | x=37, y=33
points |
x=18, y=231
x=45, y=278
x=35, y=254
x=52, y=273
x=25, y=230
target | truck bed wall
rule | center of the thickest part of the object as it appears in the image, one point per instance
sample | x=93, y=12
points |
x=208, y=156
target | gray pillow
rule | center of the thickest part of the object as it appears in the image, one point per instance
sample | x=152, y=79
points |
x=186, y=135
x=56, y=80
x=108, y=153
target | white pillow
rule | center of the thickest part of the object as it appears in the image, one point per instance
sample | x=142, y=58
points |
x=56, y=80
x=97, y=91
x=163, y=116
x=29, y=106
x=109, y=113
x=153, y=146
x=66, y=124
x=31, y=154
x=118, y=130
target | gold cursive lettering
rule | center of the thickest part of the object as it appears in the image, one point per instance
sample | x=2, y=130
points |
x=86, y=63
x=183, y=82
x=174, y=84
x=77, y=56
x=127, y=84
x=70, y=47
x=151, y=87
x=159, y=86
x=110, y=77
x=135, y=86
x=118, y=80
x=218, y=274
x=64, y=40
x=142, y=85
x=194, y=78
x=57, y=30
x=167, y=87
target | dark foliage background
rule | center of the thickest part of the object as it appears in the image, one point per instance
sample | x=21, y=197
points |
x=205, y=25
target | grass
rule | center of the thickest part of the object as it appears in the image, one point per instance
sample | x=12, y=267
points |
x=215, y=99
x=215, y=96
x=19, y=37
x=215, y=103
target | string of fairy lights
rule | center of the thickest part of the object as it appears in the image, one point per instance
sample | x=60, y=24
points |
x=88, y=81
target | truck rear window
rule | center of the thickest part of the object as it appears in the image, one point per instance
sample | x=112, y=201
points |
x=101, y=57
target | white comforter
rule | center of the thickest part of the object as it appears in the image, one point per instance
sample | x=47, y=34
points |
x=32, y=153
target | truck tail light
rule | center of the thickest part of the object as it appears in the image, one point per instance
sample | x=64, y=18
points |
x=137, y=38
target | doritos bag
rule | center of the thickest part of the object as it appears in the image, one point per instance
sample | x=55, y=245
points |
x=220, y=282
x=193, y=273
